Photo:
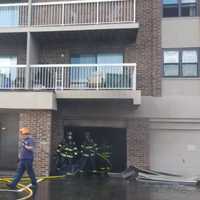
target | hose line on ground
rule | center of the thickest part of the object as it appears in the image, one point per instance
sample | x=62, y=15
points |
x=27, y=189
x=22, y=187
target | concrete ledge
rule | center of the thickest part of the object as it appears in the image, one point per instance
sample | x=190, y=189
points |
x=27, y=100
x=13, y=29
x=134, y=95
x=183, y=107
x=122, y=26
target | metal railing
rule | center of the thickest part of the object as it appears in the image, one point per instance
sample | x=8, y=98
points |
x=70, y=77
x=82, y=12
x=75, y=12
x=83, y=76
x=14, y=15
x=12, y=77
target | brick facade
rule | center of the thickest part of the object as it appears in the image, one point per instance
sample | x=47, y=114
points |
x=138, y=143
x=145, y=50
x=115, y=115
x=40, y=124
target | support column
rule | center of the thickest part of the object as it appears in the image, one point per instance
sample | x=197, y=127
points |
x=138, y=143
x=28, y=45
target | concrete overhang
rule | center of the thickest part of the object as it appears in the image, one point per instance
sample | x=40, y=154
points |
x=122, y=26
x=13, y=29
x=88, y=27
x=134, y=95
x=28, y=100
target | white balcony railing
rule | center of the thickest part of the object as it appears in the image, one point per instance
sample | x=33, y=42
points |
x=80, y=12
x=12, y=77
x=14, y=15
x=75, y=12
x=83, y=76
x=70, y=77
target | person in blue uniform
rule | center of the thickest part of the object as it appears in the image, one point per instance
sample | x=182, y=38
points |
x=25, y=159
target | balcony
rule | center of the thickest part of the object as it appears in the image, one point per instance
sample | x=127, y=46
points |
x=12, y=77
x=81, y=81
x=70, y=15
x=14, y=16
x=83, y=76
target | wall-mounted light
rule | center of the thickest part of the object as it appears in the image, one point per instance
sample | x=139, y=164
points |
x=62, y=55
x=3, y=128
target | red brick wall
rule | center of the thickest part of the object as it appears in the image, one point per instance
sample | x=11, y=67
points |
x=40, y=124
x=47, y=129
x=145, y=51
x=138, y=143
x=105, y=114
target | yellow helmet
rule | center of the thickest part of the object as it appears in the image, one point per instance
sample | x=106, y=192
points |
x=24, y=131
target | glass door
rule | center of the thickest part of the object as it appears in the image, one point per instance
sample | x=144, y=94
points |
x=8, y=73
x=79, y=75
x=111, y=76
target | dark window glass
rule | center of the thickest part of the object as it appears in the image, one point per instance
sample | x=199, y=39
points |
x=175, y=8
x=170, y=11
x=170, y=8
x=188, y=8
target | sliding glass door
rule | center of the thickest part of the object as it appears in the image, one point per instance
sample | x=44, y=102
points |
x=8, y=73
x=9, y=16
x=88, y=76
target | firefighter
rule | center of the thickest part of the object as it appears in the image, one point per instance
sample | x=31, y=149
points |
x=88, y=154
x=103, y=157
x=59, y=157
x=70, y=154
x=67, y=155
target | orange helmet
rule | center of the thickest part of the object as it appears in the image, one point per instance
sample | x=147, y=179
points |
x=24, y=131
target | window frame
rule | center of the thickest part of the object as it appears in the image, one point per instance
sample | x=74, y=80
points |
x=180, y=64
x=197, y=63
x=180, y=9
x=162, y=1
x=95, y=54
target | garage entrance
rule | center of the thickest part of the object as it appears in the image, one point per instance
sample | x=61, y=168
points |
x=115, y=137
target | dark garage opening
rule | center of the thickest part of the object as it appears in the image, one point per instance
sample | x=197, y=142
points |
x=116, y=137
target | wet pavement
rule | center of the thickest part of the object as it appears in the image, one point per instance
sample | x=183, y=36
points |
x=94, y=188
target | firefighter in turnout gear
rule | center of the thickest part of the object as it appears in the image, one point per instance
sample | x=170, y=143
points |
x=68, y=154
x=59, y=158
x=103, y=158
x=88, y=154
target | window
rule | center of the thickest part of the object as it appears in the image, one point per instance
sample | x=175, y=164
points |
x=171, y=63
x=170, y=8
x=7, y=74
x=188, y=8
x=87, y=75
x=183, y=63
x=175, y=8
x=9, y=16
x=79, y=75
x=189, y=63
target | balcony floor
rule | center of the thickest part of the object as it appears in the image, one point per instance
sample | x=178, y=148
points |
x=47, y=100
x=133, y=95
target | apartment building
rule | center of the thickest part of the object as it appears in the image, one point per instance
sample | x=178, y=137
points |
x=126, y=70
